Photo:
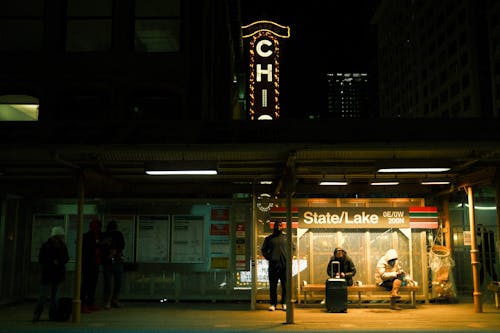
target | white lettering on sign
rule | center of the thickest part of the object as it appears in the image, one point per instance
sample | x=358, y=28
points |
x=268, y=72
x=343, y=218
x=258, y=48
x=392, y=213
x=362, y=218
x=264, y=98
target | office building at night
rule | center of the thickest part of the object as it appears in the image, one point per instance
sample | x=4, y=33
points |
x=434, y=59
x=347, y=95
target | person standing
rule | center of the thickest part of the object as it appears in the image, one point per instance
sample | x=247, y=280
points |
x=53, y=256
x=112, y=245
x=389, y=274
x=274, y=249
x=347, y=268
x=91, y=260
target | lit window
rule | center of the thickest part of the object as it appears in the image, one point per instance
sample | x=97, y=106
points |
x=18, y=108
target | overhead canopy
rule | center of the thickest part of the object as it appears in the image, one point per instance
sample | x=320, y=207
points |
x=42, y=159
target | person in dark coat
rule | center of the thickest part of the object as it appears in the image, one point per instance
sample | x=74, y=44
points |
x=112, y=245
x=347, y=268
x=91, y=260
x=53, y=256
x=274, y=249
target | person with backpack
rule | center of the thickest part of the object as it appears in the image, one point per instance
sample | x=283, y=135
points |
x=53, y=256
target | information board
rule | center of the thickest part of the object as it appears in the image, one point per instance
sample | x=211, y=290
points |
x=187, y=239
x=153, y=239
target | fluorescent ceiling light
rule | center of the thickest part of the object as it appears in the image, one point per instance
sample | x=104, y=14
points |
x=435, y=182
x=427, y=170
x=478, y=207
x=334, y=182
x=181, y=168
x=180, y=172
x=384, y=182
x=265, y=182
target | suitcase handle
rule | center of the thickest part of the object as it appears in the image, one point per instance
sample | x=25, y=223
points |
x=332, y=265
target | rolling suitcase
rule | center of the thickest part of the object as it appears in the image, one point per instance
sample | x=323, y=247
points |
x=336, y=293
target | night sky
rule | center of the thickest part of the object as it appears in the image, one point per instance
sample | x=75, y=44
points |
x=326, y=36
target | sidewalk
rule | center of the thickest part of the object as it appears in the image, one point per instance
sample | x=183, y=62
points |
x=237, y=317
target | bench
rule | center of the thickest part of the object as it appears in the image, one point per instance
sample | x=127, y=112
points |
x=495, y=288
x=307, y=288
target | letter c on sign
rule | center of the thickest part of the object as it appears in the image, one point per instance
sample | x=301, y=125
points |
x=260, y=43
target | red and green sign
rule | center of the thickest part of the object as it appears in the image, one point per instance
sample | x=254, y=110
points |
x=423, y=217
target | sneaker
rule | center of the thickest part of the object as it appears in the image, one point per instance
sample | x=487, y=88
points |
x=107, y=306
x=283, y=307
x=323, y=302
x=272, y=308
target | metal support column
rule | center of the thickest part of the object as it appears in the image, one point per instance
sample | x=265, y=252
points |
x=253, y=257
x=78, y=268
x=473, y=253
x=497, y=204
x=290, y=191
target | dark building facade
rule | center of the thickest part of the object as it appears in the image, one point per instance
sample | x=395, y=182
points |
x=434, y=58
x=103, y=61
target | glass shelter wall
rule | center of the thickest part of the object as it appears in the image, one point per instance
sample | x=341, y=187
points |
x=168, y=246
x=313, y=247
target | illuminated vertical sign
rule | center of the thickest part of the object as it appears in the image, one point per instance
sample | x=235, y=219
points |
x=264, y=68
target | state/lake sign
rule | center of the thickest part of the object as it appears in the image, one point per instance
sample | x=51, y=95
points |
x=354, y=217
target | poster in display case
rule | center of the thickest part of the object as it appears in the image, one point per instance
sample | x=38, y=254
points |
x=187, y=239
x=153, y=239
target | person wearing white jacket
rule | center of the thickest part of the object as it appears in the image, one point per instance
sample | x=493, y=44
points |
x=389, y=274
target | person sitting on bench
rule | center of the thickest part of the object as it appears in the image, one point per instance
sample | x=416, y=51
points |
x=390, y=275
x=346, y=265
x=347, y=268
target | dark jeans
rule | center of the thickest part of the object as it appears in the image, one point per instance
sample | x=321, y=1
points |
x=48, y=291
x=387, y=284
x=90, y=275
x=113, y=274
x=277, y=272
